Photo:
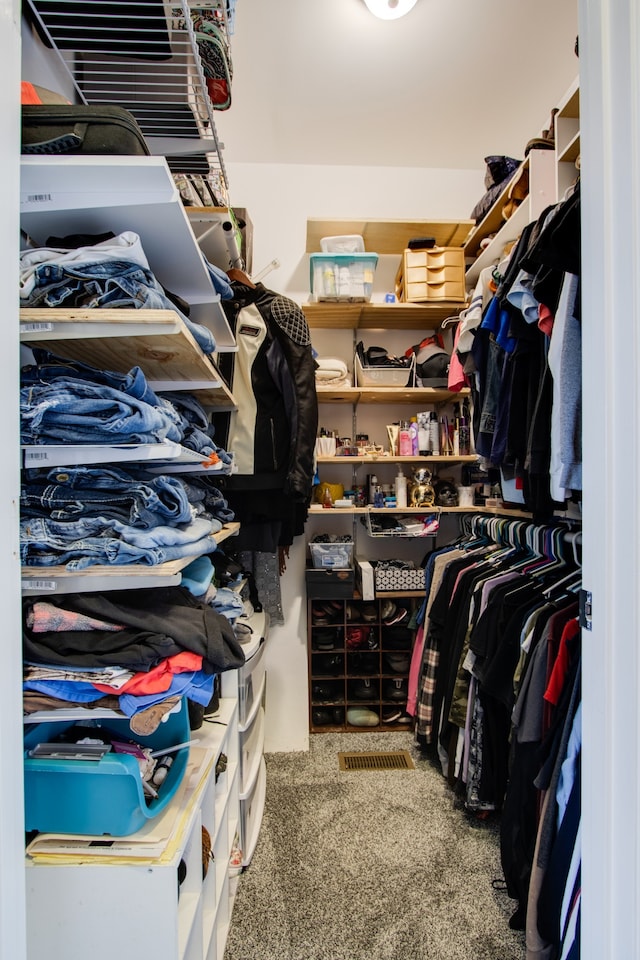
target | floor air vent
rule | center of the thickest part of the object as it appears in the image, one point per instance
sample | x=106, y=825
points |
x=387, y=760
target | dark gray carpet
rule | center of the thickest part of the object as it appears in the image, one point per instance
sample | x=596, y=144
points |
x=369, y=866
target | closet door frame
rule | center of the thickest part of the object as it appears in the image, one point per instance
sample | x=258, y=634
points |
x=610, y=205
x=12, y=893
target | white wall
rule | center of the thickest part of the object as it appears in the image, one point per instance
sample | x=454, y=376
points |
x=279, y=199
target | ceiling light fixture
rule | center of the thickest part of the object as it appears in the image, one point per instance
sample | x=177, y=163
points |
x=390, y=9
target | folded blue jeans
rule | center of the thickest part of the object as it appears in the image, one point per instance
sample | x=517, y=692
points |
x=106, y=283
x=75, y=411
x=70, y=493
x=48, y=367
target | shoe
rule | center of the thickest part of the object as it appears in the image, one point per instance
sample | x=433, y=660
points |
x=328, y=664
x=360, y=663
x=325, y=693
x=362, y=717
x=320, y=717
x=391, y=715
x=324, y=640
x=395, y=689
x=395, y=715
x=399, y=615
x=398, y=638
x=388, y=609
x=397, y=662
x=369, y=614
x=364, y=690
x=350, y=612
x=357, y=637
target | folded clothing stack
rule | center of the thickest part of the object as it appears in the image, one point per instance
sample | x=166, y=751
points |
x=331, y=372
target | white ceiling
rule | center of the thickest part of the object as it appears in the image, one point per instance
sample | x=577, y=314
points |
x=325, y=82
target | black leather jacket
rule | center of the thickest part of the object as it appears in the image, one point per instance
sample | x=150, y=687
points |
x=272, y=377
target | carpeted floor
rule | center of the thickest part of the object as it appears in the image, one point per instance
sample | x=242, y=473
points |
x=369, y=865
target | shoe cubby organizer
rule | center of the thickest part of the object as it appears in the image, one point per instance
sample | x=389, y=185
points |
x=359, y=660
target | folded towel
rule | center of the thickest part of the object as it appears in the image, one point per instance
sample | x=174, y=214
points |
x=330, y=368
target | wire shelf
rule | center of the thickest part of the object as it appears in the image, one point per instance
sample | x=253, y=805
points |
x=144, y=56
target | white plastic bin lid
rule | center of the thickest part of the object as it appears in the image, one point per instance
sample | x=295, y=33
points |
x=347, y=244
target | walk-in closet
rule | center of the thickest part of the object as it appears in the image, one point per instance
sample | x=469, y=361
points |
x=319, y=565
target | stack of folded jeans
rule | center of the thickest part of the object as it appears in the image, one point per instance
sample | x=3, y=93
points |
x=112, y=273
x=69, y=401
x=82, y=516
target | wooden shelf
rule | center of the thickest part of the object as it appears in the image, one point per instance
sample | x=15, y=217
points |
x=388, y=236
x=317, y=508
x=384, y=458
x=357, y=395
x=158, y=341
x=380, y=316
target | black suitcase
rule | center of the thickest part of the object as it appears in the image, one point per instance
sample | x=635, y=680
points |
x=68, y=129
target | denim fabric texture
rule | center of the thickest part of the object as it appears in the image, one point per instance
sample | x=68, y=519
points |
x=108, y=283
x=197, y=431
x=76, y=492
x=125, y=248
x=207, y=499
x=49, y=367
x=228, y=603
x=108, y=551
x=220, y=281
x=75, y=411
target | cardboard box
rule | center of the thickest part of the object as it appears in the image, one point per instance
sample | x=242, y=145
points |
x=330, y=584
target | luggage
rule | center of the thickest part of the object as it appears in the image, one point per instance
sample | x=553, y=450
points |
x=80, y=129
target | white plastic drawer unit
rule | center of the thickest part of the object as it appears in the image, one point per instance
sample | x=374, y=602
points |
x=251, y=747
x=251, y=682
x=251, y=812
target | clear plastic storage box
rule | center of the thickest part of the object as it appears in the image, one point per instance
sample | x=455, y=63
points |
x=331, y=555
x=342, y=276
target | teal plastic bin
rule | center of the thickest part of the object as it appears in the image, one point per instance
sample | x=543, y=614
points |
x=99, y=797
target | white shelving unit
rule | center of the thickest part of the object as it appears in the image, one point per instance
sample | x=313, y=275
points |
x=106, y=885
x=567, y=137
x=64, y=195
